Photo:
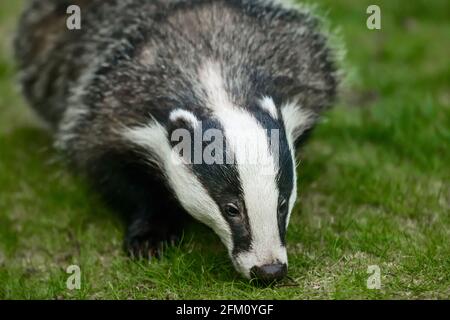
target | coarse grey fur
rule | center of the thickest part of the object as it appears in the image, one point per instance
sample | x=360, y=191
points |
x=134, y=61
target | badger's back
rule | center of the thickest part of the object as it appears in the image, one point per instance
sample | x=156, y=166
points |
x=54, y=60
x=41, y=46
x=137, y=59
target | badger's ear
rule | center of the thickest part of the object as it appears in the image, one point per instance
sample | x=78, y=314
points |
x=297, y=121
x=183, y=119
x=181, y=131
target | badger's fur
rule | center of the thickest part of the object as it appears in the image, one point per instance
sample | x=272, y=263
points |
x=116, y=91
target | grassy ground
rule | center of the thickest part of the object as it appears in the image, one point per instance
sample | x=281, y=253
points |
x=374, y=186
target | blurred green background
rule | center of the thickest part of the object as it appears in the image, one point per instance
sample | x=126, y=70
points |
x=373, y=184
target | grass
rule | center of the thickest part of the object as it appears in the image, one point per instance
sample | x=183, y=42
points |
x=374, y=186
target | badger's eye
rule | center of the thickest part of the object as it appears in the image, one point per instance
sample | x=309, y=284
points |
x=232, y=210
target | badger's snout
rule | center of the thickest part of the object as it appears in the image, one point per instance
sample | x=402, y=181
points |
x=269, y=272
x=266, y=266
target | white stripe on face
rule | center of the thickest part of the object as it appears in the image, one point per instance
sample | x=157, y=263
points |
x=245, y=136
x=186, y=186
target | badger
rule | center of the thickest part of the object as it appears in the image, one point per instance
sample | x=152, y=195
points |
x=116, y=93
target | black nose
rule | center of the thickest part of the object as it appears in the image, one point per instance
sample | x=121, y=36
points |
x=269, y=272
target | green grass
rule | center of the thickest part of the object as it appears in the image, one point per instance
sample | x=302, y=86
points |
x=373, y=183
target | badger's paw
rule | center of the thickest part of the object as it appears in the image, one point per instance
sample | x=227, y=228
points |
x=144, y=242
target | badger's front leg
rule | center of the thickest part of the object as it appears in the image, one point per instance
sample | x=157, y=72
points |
x=134, y=190
x=151, y=228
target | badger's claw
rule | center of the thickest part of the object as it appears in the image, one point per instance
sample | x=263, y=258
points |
x=142, y=242
x=143, y=249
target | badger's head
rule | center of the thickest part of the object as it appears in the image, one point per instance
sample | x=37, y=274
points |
x=248, y=82
x=233, y=168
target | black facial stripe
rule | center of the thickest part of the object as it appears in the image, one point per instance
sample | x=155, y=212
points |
x=223, y=185
x=285, y=183
x=241, y=232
